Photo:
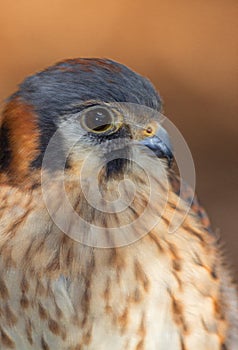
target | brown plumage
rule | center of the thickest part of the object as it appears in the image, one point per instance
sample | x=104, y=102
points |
x=81, y=276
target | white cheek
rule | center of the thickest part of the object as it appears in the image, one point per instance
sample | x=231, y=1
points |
x=71, y=133
x=75, y=141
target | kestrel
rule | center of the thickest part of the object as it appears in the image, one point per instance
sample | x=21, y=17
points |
x=87, y=200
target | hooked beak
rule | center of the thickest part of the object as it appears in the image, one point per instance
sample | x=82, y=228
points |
x=160, y=144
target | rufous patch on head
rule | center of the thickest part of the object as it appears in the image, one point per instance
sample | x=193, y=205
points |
x=21, y=122
x=87, y=65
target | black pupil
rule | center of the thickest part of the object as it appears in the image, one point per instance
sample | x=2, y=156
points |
x=98, y=119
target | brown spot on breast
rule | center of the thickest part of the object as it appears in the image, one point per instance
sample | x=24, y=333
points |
x=21, y=122
x=142, y=330
x=137, y=297
x=77, y=347
x=124, y=319
x=191, y=231
x=107, y=295
x=167, y=222
x=6, y=254
x=218, y=308
x=156, y=240
x=180, y=284
x=87, y=337
x=58, y=311
x=24, y=285
x=173, y=251
x=178, y=314
x=108, y=309
x=24, y=302
x=214, y=273
x=42, y=312
x=85, y=301
x=28, y=329
x=11, y=318
x=70, y=256
x=54, y=327
x=116, y=260
x=140, y=275
x=140, y=345
x=16, y=224
x=63, y=333
x=3, y=290
x=176, y=265
x=197, y=259
x=176, y=260
x=54, y=264
x=75, y=320
x=6, y=340
x=44, y=344
x=183, y=347
x=40, y=288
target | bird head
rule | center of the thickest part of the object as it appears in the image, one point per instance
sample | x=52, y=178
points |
x=96, y=122
x=98, y=106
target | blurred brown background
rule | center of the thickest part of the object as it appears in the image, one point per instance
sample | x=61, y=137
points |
x=187, y=48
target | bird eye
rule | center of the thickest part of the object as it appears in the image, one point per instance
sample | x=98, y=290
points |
x=98, y=119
